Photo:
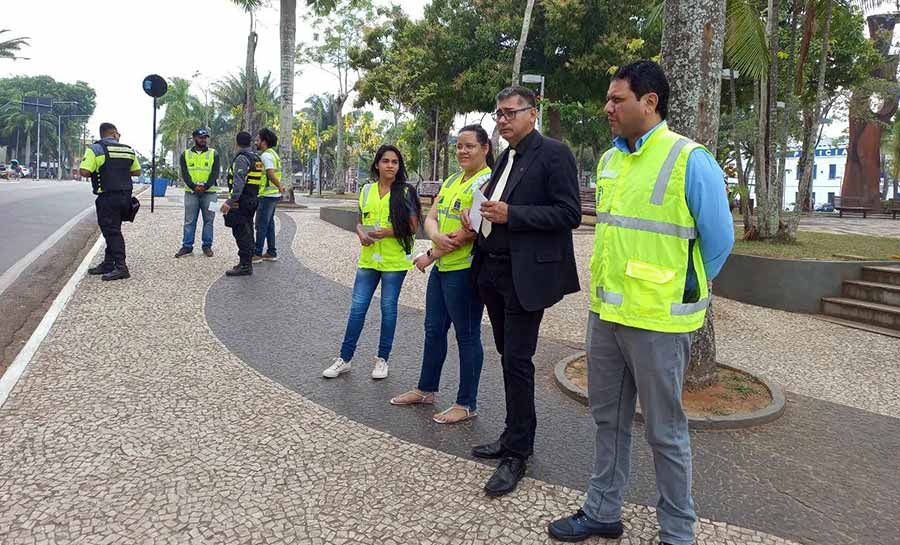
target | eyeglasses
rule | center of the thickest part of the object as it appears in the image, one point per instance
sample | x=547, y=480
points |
x=508, y=114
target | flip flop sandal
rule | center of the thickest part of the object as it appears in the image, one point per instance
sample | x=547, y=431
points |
x=413, y=398
x=469, y=415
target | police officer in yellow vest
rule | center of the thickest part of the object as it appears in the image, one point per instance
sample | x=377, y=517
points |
x=245, y=176
x=199, y=171
x=664, y=230
x=451, y=297
x=110, y=166
x=269, y=195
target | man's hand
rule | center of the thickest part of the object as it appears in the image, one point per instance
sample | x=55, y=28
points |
x=379, y=234
x=225, y=207
x=464, y=217
x=445, y=243
x=495, y=211
x=199, y=188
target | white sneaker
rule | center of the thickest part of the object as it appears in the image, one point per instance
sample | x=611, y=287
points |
x=337, y=368
x=381, y=369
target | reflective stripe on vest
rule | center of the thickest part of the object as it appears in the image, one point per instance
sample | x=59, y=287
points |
x=199, y=166
x=643, y=240
x=267, y=187
x=456, y=195
x=385, y=254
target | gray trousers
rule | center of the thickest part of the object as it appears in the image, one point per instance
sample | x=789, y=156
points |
x=625, y=364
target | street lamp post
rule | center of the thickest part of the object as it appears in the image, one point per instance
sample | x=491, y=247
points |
x=537, y=78
x=37, y=166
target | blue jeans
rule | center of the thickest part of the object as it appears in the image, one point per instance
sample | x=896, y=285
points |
x=624, y=364
x=265, y=224
x=194, y=204
x=363, y=290
x=451, y=298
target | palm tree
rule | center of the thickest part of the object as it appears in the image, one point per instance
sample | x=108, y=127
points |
x=250, y=6
x=288, y=28
x=9, y=48
x=184, y=113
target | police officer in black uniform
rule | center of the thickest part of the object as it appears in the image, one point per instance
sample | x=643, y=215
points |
x=110, y=166
x=244, y=179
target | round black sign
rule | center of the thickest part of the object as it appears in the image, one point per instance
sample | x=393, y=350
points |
x=155, y=86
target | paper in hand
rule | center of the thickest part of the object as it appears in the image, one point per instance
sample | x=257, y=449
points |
x=214, y=206
x=475, y=212
x=368, y=229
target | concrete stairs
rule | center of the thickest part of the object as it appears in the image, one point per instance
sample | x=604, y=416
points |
x=872, y=303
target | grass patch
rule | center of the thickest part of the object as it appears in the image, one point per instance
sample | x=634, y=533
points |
x=825, y=246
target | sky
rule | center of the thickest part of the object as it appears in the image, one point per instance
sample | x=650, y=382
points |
x=114, y=45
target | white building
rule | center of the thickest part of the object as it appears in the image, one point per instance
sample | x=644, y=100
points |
x=827, y=175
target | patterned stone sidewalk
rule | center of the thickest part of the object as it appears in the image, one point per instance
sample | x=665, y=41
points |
x=135, y=425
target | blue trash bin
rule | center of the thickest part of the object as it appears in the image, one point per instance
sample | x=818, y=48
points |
x=159, y=187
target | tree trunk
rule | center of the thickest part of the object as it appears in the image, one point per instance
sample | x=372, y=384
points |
x=523, y=39
x=692, y=49
x=787, y=113
x=250, y=78
x=555, y=124
x=811, y=126
x=288, y=28
x=768, y=188
x=339, y=168
x=27, y=148
x=739, y=160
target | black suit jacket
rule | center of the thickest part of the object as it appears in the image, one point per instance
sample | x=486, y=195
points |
x=544, y=206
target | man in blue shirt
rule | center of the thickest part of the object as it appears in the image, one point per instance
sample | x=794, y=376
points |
x=663, y=195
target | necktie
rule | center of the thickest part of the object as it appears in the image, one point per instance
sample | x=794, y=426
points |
x=498, y=190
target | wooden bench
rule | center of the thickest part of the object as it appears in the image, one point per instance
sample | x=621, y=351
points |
x=588, y=201
x=850, y=204
x=427, y=189
x=893, y=208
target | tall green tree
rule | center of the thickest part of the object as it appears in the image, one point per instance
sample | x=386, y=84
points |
x=250, y=6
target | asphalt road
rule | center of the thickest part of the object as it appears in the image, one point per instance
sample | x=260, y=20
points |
x=32, y=211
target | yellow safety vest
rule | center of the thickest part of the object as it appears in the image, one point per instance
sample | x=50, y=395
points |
x=199, y=167
x=644, y=236
x=454, y=196
x=267, y=188
x=386, y=254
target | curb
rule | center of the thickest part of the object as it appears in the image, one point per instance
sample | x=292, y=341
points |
x=765, y=415
x=18, y=366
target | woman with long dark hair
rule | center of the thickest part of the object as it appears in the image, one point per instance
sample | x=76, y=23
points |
x=389, y=216
x=451, y=297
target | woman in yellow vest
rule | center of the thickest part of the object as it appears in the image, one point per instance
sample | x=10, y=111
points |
x=451, y=297
x=389, y=216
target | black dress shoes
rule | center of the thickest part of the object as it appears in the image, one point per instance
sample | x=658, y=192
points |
x=102, y=268
x=118, y=273
x=240, y=270
x=506, y=477
x=490, y=451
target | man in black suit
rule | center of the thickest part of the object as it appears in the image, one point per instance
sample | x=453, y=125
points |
x=524, y=263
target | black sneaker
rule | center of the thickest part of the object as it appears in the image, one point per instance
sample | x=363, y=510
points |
x=102, y=268
x=119, y=273
x=579, y=527
x=184, y=251
x=240, y=270
x=208, y=252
